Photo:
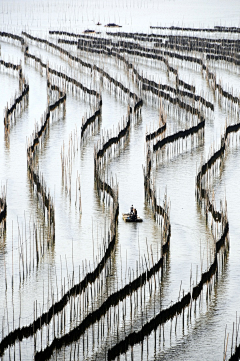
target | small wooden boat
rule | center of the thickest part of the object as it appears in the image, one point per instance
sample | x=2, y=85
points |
x=128, y=217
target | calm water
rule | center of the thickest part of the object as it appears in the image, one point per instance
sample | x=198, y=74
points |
x=79, y=237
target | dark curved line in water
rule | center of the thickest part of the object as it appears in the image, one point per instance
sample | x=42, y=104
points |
x=3, y=207
x=45, y=318
x=17, y=101
x=85, y=64
x=113, y=299
x=156, y=133
x=13, y=36
x=166, y=314
x=96, y=315
x=181, y=134
x=203, y=193
x=114, y=140
x=216, y=28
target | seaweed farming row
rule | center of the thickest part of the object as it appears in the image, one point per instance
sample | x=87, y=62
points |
x=205, y=276
x=3, y=208
x=19, y=101
x=129, y=288
x=118, y=305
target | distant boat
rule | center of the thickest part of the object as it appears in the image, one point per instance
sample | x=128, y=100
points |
x=129, y=217
x=113, y=25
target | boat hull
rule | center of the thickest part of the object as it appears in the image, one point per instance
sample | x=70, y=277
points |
x=128, y=218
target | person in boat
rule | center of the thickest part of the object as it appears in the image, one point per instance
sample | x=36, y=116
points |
x=135, y=213
x=131, y=210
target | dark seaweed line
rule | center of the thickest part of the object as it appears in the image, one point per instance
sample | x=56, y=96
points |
x=64, y=76
x=236, y=355
x=116, y=297
x=115, y=50
x=153, y=37
x=157, y=132
x=218, y=216
x=209, y=47
x=70, y=42
x=181, y=134
x=150, y=84
x=175, y=101
x=97, y=113
x=75, y=82
x=179, y=82
x=45, y=318
x=88, y=65
x=155, y=90
x=101, y=48
x=131, y=48
x=30, y=156
x=218, y=86
x=150, y=195
x=141, y=53
x=3, y=204
x=42, y=190
x=206, y=276
x=90, y=120
x=17, y=100
x=10, y=65
x=203, y=193
x=210, y=75
x=12, y=36
x=3, y=208
x=211, y=270
x=199, y=61
x=167, y=314
x=38, y=134
x=203, y=42
x=96, y=315
x=136, y=337
x=61, y=50
x=210, y=30
x=114, y=140
x=211, y=53
x=138, y=102
x=225, y=94
x=229, y=59
x=27, y=331
x=203, y=45
x=225, y=48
